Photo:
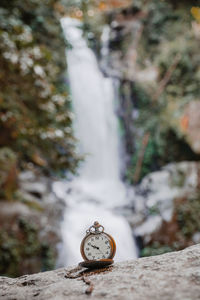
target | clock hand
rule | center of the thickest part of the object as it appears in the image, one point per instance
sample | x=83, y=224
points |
x=93, y=246
x=96, y=248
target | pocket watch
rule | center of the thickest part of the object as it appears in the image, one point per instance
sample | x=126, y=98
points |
x=97, y=247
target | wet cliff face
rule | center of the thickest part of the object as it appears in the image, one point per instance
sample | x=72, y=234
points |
x=154, y=53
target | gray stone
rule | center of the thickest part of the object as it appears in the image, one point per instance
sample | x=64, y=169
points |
x=157, y=192
x=34, y=187
x=27, y=176
x=151, y=225
x=171, y=276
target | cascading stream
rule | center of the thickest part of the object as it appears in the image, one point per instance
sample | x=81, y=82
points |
x=95, y=193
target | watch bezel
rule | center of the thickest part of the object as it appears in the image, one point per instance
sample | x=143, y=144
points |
x=112, y=244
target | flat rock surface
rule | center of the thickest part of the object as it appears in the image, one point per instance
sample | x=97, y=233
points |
x=170, y=276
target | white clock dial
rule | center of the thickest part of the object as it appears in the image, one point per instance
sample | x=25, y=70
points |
x=97, y=247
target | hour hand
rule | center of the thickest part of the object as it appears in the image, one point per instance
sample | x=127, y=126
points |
x=93, y=246
x=96, y=248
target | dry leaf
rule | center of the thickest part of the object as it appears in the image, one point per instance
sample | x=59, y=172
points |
x=195, y=11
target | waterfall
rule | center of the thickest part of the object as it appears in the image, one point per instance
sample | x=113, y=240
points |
x=98, y=189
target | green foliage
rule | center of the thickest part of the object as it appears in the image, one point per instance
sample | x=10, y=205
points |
x=22, y=250
x=188, y=215
x=35, y=116
x=154, y=210
x=184, y=82
x=35, y=122
x=167, y=33
x=155, y=249
x=164, y=145
x=149, y=160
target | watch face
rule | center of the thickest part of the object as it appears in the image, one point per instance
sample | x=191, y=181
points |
x=97, y=246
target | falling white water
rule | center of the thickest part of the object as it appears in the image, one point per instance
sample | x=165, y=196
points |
x=95, y=193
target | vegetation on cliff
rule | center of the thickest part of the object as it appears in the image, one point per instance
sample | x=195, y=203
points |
x=154, y=51
x=35, y=121
x=165, y=44
x=35, y=111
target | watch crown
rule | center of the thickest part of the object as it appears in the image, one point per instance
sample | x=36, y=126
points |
x=95, y=228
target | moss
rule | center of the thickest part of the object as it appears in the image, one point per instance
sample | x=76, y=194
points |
x=156, y=249
x=154, y=210
x=48, y=257
x=178, y=179
x=188, y=215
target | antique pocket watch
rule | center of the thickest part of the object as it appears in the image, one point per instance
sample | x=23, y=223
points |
x=97, y=247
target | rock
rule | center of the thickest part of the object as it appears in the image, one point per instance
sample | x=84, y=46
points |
x=164, y=198
x=37, y=188
x=158, y=190
x=30, y=227
x=196, y=238
x=34, y=184
x=171, y=276
x=28, y=239
x=149, y=226
x=26, y=175
x=174, y=180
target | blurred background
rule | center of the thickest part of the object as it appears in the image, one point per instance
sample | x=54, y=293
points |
x=116, y=81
